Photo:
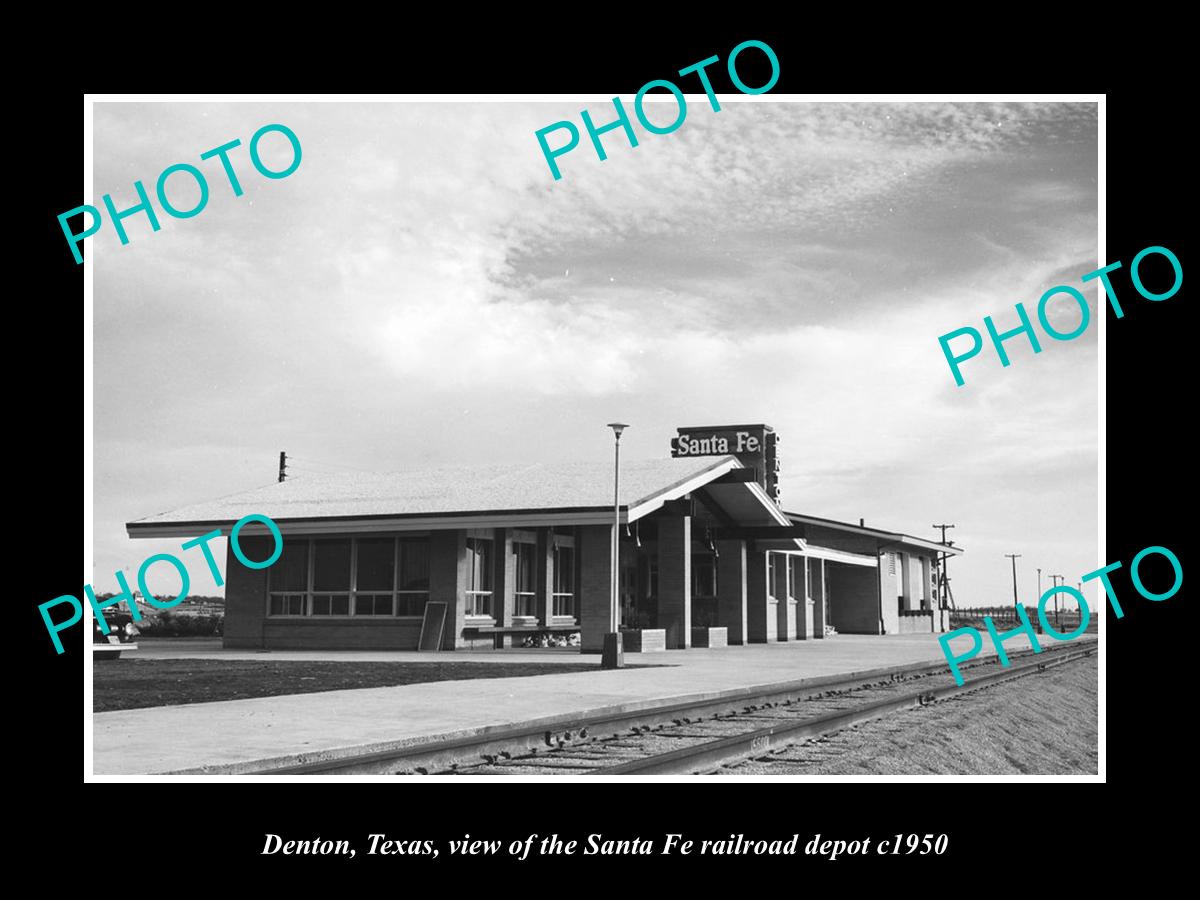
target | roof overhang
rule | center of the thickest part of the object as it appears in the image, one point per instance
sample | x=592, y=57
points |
x=370, y=524
x=840, y=556
x=743, y=501
x=888, y=536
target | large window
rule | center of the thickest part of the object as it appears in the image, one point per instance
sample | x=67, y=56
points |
x=479, y=578
x=331, y=578
x=376, y=581
x=564, y=581
x=704, y=576
x=413, y=584
x=525, y=590
x=289, y=580
x=368, y=576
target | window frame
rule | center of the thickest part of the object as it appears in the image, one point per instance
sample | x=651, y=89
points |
x=471, y=594
x=308, y=593
x=557, y=597
x=528, y=597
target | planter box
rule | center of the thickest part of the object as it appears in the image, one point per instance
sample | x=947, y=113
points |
x=710, y=637
x=644, y=640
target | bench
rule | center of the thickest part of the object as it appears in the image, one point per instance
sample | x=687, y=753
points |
x=499, y=631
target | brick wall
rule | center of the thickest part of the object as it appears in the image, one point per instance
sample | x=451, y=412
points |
x=245, y=594
x=675, y=580
x=447, y=575
x=760, y=615
x=731, y=589
x=595, y=584
x=887, y=585
x=854, y=598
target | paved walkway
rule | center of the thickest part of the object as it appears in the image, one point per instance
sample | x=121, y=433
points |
x=238, y=735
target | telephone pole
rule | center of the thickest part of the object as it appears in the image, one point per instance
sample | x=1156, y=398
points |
x=1014, y=557
x=282, y=465
x=943, y=527
x=1060, y=580
x=943, y=558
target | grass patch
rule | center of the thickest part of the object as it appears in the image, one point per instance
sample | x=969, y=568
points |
x=139, y=683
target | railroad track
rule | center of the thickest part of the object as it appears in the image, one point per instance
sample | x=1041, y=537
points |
x=691, y=736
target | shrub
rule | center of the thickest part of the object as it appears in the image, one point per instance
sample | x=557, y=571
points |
x=174, y=625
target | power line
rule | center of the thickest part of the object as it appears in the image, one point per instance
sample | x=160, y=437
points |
x=317, y=462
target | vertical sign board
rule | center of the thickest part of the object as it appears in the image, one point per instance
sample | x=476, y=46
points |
x=432, y=625
x=755, y=446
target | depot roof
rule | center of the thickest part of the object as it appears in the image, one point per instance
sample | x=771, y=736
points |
x=893, y=537
x=560, y=493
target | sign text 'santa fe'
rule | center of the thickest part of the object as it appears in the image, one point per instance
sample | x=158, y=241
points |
x=187, y=170
x=715, y=444
x=622, y=120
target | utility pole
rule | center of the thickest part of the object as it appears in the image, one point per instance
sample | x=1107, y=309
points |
x=944, y=528
x=1014, y=557
x=282, y=465
x=943, y=558
x=1039, y=600
x=1060, y=580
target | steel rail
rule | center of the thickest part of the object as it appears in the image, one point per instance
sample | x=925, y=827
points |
x=713, y=754
x=506, y=741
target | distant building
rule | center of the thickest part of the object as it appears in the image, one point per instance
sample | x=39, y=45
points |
x=514, y=549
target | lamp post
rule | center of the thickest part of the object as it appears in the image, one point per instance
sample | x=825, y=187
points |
x=614, y=655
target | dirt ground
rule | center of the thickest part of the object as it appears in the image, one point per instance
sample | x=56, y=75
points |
x=138, y=683
x=1044, y=724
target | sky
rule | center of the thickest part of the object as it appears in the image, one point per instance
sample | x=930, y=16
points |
x=422, y=291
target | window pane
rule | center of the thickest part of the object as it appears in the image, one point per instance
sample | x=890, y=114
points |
x=331, y=604
x=479, y=604
x=414, y=565
x=290, y=571
x=412, y=604
x=373, y=605
x=479, y=551
x=525, y=555
x=376, y=564
x=564, y=570
x=331, y=566
x=277, y=606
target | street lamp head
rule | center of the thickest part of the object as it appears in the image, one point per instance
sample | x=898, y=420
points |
x=617, y=428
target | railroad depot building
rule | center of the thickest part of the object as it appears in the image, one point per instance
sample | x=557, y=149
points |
x=707, y=556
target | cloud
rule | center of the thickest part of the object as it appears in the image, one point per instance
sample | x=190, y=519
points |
x=421, y=272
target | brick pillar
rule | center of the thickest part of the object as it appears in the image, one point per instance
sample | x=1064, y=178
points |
x=731, y=589
x=447, y=581
x=246, y=594
x=785, y=612
x=818, y=576
x=757, y=631
x=543, y=561
x=503, y=583
x=675, y=580
x=594, y=549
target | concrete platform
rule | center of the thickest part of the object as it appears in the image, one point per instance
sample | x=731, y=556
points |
x=210, y=648
x=231, y=736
